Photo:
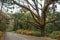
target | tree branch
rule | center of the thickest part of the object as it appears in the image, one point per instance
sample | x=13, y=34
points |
x=40, y=4
x=33, y=14
x=52, y=20
x=25, y=7
x=30, y=4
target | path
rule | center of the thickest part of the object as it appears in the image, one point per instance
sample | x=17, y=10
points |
x=14, y=36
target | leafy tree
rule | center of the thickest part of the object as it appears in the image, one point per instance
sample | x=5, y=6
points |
x=41, y=20
x=36, y=7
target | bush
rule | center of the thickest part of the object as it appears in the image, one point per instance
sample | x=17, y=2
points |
x=55, y=34
x=1, y=33
x=9, y=29
x=58, y=37
x=36, y=33
x=29, y=32
x=24, y=32
x=19, y=31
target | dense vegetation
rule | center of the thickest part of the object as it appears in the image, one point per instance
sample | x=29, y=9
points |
x=25, y=24
x=3, y=21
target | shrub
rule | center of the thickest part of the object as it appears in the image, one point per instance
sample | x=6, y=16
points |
x=19, y=31
x=58, y=37
x=29, y=32
x=1, y=33
x=9, y=29
x=36, y=33
x=55, y=34
x=24, y=32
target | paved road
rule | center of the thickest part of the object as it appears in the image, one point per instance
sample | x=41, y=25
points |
x=14, y=36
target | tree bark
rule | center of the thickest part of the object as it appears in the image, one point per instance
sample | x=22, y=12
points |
x=42, y=30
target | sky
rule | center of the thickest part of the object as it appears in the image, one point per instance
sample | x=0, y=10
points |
x=17, y=8
x=58, y=8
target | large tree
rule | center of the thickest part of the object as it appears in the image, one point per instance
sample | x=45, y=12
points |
x=37, y=9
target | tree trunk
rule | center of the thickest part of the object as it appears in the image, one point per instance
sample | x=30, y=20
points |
x=42, y=30
x=53, y=16
x=54, y=27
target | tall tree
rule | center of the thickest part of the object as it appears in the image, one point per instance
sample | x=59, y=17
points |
x=35, y=6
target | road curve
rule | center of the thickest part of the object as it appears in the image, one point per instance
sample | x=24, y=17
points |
x=14, y=36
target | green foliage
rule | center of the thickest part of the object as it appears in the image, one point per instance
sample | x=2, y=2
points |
x=58, y=26
x=3, y=21
x=55, y=34
x=23, y=21
x=2, y=28
x=48, y=29
x=37, y=33
x=9, y=29
x=57, y=21
x=15, y=25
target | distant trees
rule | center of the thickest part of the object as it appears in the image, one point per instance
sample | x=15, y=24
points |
x=24, y=21
x=3, y=21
